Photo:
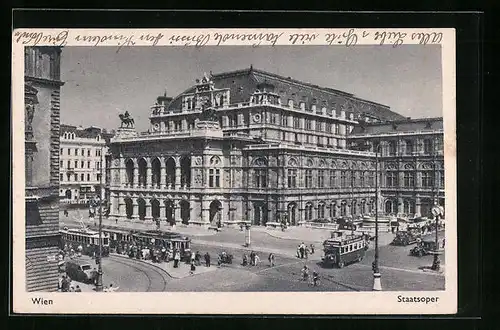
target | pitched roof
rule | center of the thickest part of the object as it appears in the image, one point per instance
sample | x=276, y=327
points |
x=243, y=83
x=407, y=125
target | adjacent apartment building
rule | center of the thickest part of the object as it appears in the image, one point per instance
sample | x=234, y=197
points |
x=82, y=155
x=42, y=86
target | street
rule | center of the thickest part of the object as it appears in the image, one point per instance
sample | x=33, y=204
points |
x=399, y=270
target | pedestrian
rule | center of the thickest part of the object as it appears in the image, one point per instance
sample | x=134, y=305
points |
x=116, y=221
x=315, y=278
x=256, y=260
x=302, y=249
x=271, y=259
x=177, y=258
x=245, y=260
x=443, y=243
x=219, y=260
x=306, y=252
x=312, y=248
x=207, y=259
x=305, y=273
x=298, y=251
x=78, y=289
x=193, y=257
x=252, y=258
x=193, y=267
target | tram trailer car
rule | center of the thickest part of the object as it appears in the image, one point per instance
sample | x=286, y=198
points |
x=86, y=238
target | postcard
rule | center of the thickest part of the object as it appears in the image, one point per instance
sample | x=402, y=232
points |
x=234, y=171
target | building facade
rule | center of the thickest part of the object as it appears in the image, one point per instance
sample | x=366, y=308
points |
x=411, y=163
x=81, y=155
x=246, y=146
x=42, y=113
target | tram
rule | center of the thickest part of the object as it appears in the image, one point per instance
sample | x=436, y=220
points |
x=86, y=238
x=343, y=249
x=169, y=240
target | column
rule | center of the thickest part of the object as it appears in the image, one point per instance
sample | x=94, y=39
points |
x=163, y=176
x=136, y=174
x=400, y=205
x=148, y=216
x=123, y=174
x=177, y=177
x=177, y=212
x=148, y=173
x=417, y=206
x=135, y=209
x=122, y=212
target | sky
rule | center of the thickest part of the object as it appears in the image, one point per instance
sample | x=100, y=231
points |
x=101, y=83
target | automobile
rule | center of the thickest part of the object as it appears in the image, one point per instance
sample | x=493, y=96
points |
x=410, y=236
x=81, y=271
x=423, y=248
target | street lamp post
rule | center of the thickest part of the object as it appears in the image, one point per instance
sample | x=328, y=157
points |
x=99, y=284
x=437, y=212
x=377, y=285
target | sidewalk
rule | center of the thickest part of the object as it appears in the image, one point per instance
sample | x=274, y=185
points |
x=313, y=235
x=184, y=270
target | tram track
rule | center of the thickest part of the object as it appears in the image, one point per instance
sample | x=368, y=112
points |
x=135, y=265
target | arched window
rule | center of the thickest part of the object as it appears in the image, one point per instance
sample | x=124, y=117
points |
x=129, y=168
x=408, y=207
x=427, y=179
x=321, y=178
x=333, y=210
x=354, y=206
x=141, y=203
x=170, y=166
x=155, y=172
x=333, y=179
x=129, y=209
x=292, y=213
x=186, y=171
x=142, y=165
x=321, y=210
x=391, y=179
x=309, y=178
x=343, y=208
x=155, y=209
x=308, y=212
x=389, y=206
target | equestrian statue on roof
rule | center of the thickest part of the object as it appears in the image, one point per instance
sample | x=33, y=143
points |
x=127, y=120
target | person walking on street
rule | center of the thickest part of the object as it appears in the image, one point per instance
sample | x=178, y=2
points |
x=252, y=258
x=271, y=259
x=298, y=251
x=256, y=260
x=207, y=259
x=305, y=273
x=315, y=278
x=302, y=250
x=177, y=258
x=245, y=260
x=312, y=248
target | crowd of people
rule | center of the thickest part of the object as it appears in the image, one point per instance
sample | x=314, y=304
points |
x=304, y=251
